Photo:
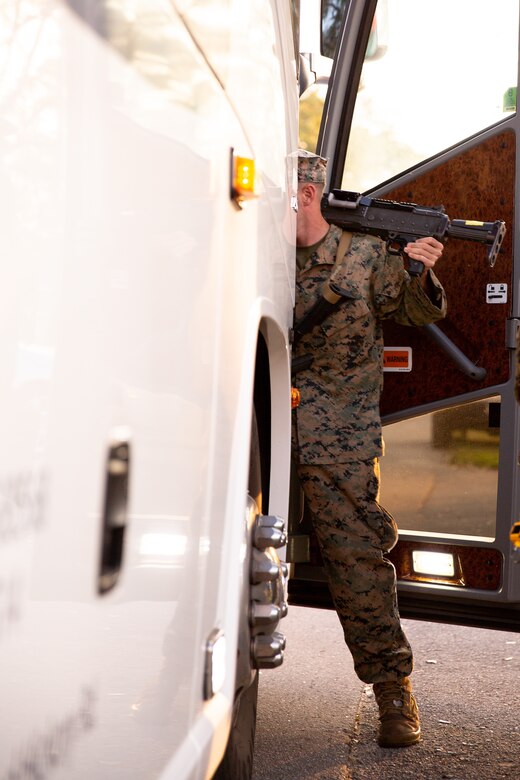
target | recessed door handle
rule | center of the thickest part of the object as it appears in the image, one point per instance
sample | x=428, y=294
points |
x=115, y=510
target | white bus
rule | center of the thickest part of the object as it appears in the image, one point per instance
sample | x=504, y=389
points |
x=146, y=297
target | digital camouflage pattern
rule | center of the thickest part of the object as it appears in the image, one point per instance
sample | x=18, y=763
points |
x=354, y=532
x=337, y=438
x=338, y=417
x=311, y=167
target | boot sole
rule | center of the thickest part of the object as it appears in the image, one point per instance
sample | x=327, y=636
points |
x=412, y=740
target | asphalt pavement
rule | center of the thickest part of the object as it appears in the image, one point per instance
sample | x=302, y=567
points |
x=425, y=491
x=317, y=721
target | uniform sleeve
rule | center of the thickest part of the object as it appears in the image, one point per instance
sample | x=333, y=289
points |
x=402, y=298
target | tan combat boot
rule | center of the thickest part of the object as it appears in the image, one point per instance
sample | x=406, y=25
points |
x=398, y=714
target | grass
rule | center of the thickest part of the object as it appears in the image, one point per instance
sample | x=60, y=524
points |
x=479, y=455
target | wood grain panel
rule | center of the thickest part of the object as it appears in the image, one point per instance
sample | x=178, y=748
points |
x=476, y=184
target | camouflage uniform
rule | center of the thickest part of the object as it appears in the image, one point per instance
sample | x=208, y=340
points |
x=337, y=437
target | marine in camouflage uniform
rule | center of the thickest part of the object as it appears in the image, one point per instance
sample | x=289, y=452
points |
x=337, y=437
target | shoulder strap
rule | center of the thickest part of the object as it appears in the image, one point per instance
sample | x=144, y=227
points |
x=343, y=247
x=327, y=301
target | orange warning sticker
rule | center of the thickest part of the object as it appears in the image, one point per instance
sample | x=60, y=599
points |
x=397, y=359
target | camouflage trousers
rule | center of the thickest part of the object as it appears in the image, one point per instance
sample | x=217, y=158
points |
x=354, y=532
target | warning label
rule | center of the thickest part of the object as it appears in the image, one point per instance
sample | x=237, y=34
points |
x=397, y=359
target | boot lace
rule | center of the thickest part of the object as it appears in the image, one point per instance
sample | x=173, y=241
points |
x=393, y=699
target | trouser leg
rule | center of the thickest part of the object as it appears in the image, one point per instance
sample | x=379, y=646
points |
x=354, y=532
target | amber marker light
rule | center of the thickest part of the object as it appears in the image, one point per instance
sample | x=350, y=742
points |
x=515, y=534
x=242, y=178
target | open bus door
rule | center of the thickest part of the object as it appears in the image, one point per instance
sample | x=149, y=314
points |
x=421, y=107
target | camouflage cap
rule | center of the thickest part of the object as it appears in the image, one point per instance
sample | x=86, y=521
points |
x=311, y=167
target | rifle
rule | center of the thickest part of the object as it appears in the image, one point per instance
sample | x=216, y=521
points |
x=399, y=223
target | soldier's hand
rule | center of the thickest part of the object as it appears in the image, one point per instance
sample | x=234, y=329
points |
x=426, y=250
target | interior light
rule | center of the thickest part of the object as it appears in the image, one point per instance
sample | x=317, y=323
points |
x=433, y=563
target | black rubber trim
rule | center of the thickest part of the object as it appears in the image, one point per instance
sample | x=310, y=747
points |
x=465, y=612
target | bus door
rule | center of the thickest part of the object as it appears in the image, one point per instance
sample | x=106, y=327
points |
x=420, y=107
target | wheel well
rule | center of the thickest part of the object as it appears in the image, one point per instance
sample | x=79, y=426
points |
x=262, y=404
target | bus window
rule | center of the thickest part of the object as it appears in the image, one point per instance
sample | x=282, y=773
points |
x=466, y=78
x=432, y=454
x=470, y=87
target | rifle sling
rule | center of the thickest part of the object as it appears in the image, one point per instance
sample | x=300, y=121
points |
x=343, y=247
x=322, y=308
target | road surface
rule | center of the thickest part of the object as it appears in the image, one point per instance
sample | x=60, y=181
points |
x=317, y=721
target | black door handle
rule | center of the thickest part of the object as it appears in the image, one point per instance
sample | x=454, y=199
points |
x=115, y=510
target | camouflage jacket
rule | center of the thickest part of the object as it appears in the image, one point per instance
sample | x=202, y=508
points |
x=338, y=418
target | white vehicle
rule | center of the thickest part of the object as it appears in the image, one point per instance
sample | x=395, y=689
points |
x=146, y=298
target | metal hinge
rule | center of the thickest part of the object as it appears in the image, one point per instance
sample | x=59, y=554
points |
x=299, y=548
x=512, y=326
